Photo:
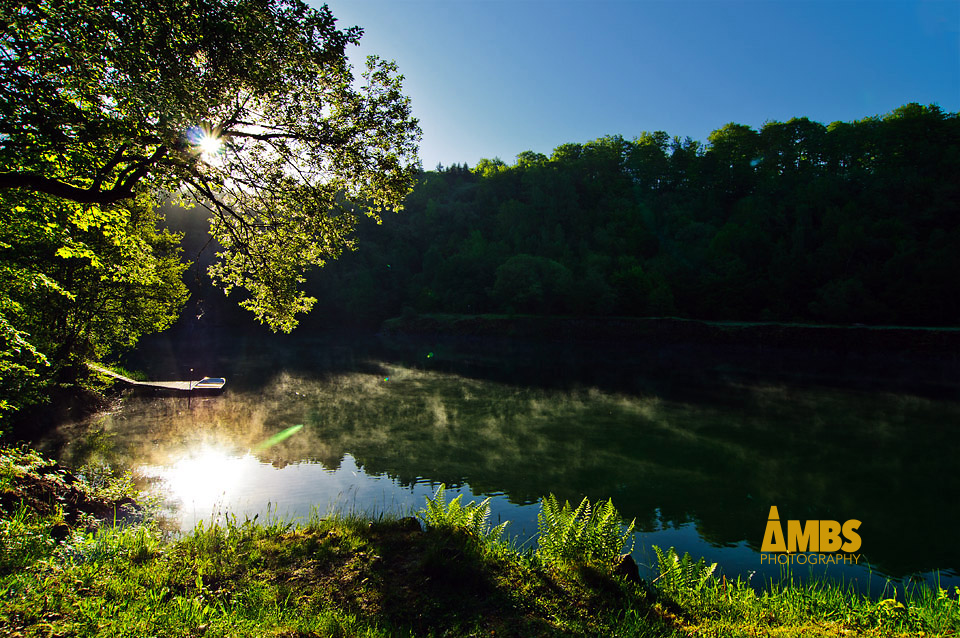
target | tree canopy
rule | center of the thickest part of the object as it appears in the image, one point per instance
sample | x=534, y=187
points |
x=248, y=109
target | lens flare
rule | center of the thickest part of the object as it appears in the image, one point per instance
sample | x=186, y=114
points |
x=279, y=437
x=205, y=142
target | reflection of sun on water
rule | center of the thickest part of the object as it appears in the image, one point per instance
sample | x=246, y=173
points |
x=204, y=476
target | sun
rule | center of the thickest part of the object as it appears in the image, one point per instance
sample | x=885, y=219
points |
x=210, y=145
x=207, y=143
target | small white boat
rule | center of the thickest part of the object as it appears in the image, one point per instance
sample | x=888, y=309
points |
x=210, y=383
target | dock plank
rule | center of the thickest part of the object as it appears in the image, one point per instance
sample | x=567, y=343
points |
x=186, y=386
x=170, y=385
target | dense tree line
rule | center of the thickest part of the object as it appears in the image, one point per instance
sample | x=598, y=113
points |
x=855, y=222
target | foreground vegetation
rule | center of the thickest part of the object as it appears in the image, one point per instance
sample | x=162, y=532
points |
x=79, y=557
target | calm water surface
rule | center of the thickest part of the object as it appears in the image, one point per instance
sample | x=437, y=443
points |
x=695, y=446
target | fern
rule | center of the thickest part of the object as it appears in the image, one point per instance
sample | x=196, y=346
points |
x=585, y=535
x=681, y=574
x=472, y=518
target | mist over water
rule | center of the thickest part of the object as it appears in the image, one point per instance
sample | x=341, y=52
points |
x=695, y=448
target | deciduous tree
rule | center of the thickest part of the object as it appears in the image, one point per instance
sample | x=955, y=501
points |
x=248, y=109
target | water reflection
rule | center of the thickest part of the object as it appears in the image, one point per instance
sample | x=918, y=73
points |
x=244, y=486
x=697, y=466
x=199, y=479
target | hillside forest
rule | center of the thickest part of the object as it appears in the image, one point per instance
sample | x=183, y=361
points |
x=852, y=222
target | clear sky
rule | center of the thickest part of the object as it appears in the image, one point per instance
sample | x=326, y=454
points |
x=493, y=78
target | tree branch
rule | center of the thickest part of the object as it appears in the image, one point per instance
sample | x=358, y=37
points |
x=266, y=137
x=112, y=164
x=41, y=184
x=122, y=189
x=140, y=170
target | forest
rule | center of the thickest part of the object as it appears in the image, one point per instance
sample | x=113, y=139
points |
x=851, y=222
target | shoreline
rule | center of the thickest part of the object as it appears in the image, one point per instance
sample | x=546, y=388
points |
x=672, y=330
x=442, y=572
x=922, y=361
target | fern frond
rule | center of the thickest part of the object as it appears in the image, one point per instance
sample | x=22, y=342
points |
x=679, y=575
x=495, y=533
x=585, y=534
x=471, y=518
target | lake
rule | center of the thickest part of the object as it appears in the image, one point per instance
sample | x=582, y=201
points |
x=695, y=444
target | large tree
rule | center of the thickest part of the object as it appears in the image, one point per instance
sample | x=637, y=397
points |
x=247, y=109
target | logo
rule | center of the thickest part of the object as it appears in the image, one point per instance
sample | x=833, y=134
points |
x=810, y=542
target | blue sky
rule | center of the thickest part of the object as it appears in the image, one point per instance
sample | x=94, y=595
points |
x=493, y=78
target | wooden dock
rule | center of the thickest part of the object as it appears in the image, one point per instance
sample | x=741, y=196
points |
x=206, y=383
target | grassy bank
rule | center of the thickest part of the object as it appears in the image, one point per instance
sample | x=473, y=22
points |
x=79, y=557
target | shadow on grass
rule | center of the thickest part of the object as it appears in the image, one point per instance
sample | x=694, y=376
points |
x=442, y=582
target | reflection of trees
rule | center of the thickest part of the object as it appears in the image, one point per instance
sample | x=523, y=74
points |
x=720, y=463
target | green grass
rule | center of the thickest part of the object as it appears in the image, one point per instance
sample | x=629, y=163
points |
x=733, y=608
x=356, y=575
x=136, y=375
